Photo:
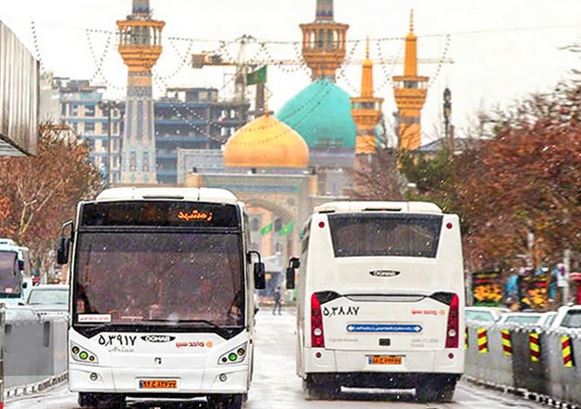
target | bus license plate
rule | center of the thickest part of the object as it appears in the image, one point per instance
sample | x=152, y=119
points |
x=158, y=384
x=385, y=360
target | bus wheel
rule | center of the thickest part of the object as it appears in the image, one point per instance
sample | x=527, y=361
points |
x=110, y=401
x=316, y=388
x=436, y=390
x=88, y=400
x=226, y=402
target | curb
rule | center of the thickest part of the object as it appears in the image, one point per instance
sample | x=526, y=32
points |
x=34, y=388
x=523, y=393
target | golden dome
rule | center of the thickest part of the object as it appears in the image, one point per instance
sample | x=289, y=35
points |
x=266, y=142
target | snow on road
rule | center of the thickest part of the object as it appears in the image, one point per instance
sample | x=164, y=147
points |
x=276, y=386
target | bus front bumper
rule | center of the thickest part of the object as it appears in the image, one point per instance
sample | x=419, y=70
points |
x=100, y=379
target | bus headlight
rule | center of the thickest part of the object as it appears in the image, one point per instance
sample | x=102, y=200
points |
x=83, y=355
x=234, y=356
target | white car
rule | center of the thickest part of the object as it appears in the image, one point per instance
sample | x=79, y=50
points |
x=538, y=319
x=568, y=317
x=484, y=314
x=49, y=300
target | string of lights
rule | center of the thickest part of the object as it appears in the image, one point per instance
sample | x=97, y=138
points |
x=35, y=43
x=98, y=73
x=388, y=75
x=436, y=75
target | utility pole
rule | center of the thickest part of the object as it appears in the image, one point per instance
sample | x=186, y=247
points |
x=448, y=127
x=567, y=276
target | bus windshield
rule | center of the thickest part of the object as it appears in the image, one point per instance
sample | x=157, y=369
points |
x=360, y=235
x=161, y=278
x=9, y=274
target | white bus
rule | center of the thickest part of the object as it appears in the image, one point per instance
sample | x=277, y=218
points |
x=161, y=298
x=380, y=299
x=15, y=272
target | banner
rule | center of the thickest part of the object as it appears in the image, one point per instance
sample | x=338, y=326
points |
x=256, y=77
x=266, y=229
x=286, y=229
x=487, y=288
x=534, y=290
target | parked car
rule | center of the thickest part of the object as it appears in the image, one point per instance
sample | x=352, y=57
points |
x=568, y=317
x=522, y=318
x=548, y=319
x=484, y=314
x=49, y=300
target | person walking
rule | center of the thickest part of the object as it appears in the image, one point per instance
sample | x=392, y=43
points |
x=277, y=297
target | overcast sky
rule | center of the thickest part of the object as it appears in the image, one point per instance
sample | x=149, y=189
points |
x=502, y=49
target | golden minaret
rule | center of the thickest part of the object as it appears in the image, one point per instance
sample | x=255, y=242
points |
x=410, y=91
x=324, y=42
x=366, y=110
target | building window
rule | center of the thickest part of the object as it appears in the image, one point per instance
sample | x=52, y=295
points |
x=146, y=161
x=89, y=127
x=90, y=110
x=63, y=109
x=74, y=110
x=133, y=161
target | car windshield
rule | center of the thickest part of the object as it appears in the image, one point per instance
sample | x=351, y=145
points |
x=48, y=296
x=523, y=319
x=139, y=277
x=485, y=316
x=572, y=320
x=9, y=275
x=385, y=235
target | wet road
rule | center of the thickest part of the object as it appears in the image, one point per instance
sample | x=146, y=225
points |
x=277, y=387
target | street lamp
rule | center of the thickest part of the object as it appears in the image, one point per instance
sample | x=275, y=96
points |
x=107, y=108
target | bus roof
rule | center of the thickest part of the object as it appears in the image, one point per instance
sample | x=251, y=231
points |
x=356, y=207
x=7, y=242
x=205, y=195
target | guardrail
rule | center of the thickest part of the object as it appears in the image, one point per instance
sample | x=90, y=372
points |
x=33, y=353
x=540, y=364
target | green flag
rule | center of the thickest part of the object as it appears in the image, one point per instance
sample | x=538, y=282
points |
x=266, y=229
x=286, y=229
x=256, y=77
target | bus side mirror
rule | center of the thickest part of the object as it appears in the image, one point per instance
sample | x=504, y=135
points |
x=62, y=255
x=21, y=265
x=25, y=285
x=259, y=276
x=290, y=278
x=294, y=263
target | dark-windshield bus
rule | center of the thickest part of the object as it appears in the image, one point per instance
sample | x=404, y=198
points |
x=10, y=280
x=153, y=277
x=396, y=235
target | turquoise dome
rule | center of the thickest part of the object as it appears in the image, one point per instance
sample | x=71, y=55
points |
x=321, y=114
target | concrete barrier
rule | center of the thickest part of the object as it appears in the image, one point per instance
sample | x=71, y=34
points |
x=539, y=363
x=33, y=351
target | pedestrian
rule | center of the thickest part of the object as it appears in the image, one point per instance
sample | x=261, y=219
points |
x=277, y=297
